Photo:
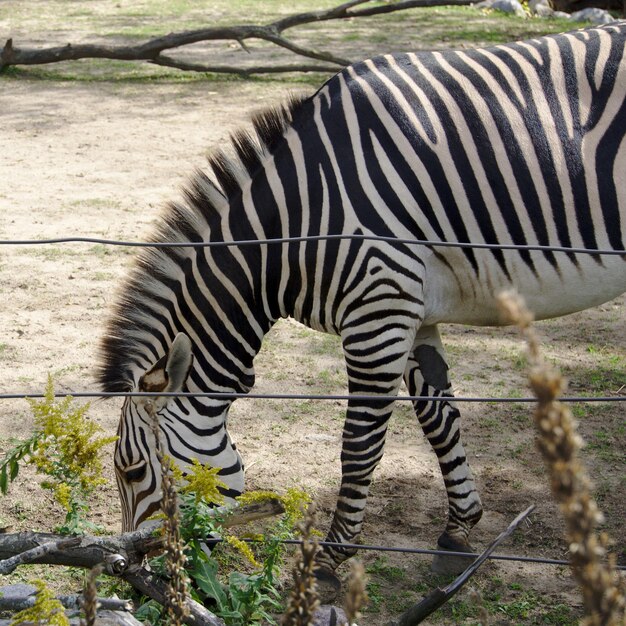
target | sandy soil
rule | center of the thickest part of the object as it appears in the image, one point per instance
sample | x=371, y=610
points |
x=98, y=160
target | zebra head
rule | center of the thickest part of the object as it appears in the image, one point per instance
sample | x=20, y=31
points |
x=187, y=430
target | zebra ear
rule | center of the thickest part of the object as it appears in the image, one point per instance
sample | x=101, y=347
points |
x=155, y=378
x=170, y=372
x=179, y=361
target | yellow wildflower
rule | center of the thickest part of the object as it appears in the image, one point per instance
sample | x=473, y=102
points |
x=295, y=501
x=71, y=443
x=243, y=548
x=204, y=483
x=63, y=495
x=46, y=610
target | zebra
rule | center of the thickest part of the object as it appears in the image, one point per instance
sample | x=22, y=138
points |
x=518, y=144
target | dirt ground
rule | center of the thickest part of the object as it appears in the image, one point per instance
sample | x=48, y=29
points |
x=98, y=159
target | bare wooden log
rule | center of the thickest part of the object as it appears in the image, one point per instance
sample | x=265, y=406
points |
x=439, y=596
x=88, y=552
x=244, y=72
x=8, y=565
x=239, y=515
x=347, y=11
x=151, y=50
x=122, y=552
x=603, y=588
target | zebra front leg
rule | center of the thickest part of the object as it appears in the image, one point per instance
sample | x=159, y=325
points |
x=363, y=444
x=372, y=371
x=427, y=375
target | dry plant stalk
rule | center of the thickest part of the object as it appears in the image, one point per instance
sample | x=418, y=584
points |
x=603, y=589
x=357, y=594
x=303, y=599
x=175, y=605
x=89, y=602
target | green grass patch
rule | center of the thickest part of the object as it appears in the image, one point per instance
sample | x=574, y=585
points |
x=51, y=252
x=604, y=443
x=394, y=590
x=600, y=380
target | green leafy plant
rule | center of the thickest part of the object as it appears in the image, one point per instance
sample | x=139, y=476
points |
x=240, y=597
x=10, y=467
x=64, y=448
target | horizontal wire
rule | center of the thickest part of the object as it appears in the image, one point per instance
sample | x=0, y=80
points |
x=425, y=551
x=218, y=395
x=255, y=242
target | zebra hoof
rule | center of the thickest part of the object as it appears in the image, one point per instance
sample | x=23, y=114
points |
x=328, y=585
x=453, y=564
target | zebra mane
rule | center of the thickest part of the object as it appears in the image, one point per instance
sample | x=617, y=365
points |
x=206, y=197
x=252, y=147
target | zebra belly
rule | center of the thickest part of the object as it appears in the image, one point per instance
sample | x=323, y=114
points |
x=456, y=293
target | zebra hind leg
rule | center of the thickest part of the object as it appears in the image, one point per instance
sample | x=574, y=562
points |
x=427, y=375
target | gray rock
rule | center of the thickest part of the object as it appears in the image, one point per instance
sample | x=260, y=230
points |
x=595, y=16
x=509, y=6
x=533, y=4
x=506, y=6
x=562, y=15
x=328, y=615
x=12, y=593
x=543, y=10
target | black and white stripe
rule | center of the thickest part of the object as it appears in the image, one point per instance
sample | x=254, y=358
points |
x=514, y=144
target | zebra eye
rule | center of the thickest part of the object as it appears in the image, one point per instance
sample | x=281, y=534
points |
x=134, y=473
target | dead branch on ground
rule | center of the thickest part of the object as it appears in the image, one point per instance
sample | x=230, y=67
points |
x=438, y=597
x=123, y=555
x=603, y=590
x=152, y=586
x=119, y=553
x=7, y=566
x=152, y=50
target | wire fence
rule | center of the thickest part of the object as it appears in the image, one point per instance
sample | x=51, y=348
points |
x=317, y=238
x=218, y=395
x=422, y=551
x=335, y=397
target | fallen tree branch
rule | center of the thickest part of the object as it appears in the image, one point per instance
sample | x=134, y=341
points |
x=152, y=49
x=28, y=556
x=124, y=554
x=603, y=589
x=439, y=596
x=119, y=553
x=244, y=72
